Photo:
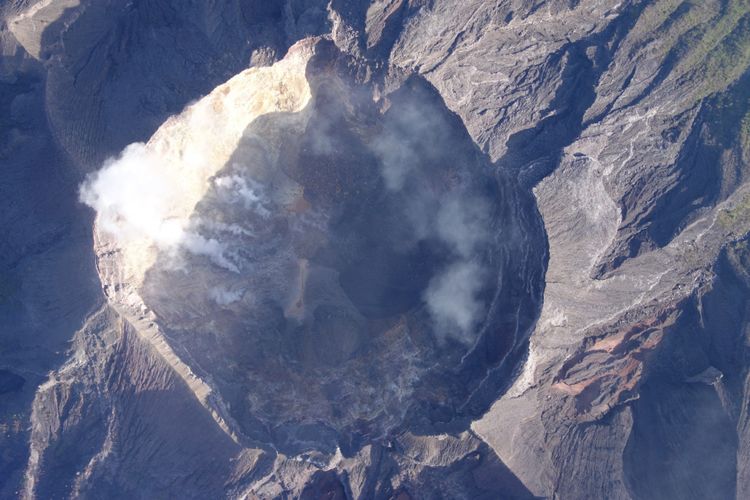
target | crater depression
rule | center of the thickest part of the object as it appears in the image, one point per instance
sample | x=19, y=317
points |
x=352, y=267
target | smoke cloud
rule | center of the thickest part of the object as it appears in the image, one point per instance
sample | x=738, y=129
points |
x=416, y=149
x=246, y=191
x=462, y=222
x=225, y=297
x=412, y=149
x=401, y=146
x=452, y=299
x=452, y=296
x=133, y=198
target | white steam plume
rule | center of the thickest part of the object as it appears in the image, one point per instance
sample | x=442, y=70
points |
x=452, y=299
x=145, y=198
x=460, y=218
x=133, y=198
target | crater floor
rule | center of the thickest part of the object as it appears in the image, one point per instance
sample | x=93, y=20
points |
x=366, y=274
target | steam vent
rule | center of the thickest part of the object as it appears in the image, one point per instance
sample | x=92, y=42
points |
x=345, y=266
x=387, y=249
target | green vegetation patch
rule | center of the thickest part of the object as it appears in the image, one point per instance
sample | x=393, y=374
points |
x=736, y=217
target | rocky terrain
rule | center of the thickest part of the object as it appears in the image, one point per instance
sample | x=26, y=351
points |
x=388, y=249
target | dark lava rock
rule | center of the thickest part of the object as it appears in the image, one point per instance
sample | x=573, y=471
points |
x=393, y=293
